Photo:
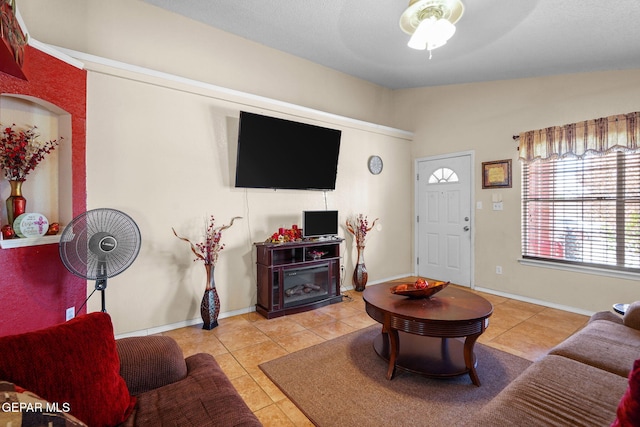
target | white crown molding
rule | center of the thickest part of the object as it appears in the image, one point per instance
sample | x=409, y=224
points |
x=96, y=63
x=48, y=49
x=51, y=51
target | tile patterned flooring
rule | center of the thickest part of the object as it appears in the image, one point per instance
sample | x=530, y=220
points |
x=241, y=343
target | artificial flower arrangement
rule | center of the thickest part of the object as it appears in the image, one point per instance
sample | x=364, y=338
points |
x=284, y=235
x=359, y=227
x=21, y=152
x=208, y=250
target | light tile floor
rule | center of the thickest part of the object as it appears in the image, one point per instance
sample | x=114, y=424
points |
x=241, y=343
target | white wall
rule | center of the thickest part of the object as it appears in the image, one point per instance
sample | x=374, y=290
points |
x=163, y=151
x=135, y=32
x=167, y=158
x=484, y=117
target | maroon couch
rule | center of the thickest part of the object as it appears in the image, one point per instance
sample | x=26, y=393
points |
x=77, y=374
x=173, y=391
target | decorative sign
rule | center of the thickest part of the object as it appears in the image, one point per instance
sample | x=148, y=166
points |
x=31, y=225
x=496, y=174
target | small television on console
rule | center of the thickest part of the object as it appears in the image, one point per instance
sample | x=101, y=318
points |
x=283, y=154
x=319, y=224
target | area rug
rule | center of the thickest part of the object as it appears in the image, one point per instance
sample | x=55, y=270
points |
x=342, y=383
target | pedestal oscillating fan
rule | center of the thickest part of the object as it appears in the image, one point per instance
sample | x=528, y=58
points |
x=99, y=244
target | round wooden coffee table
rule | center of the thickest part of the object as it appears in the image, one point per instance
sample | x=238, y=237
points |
x=419, y=335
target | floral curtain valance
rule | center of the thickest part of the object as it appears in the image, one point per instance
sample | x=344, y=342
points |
x=598, y=136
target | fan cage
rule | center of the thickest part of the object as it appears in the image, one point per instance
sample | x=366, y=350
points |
x=85, y=261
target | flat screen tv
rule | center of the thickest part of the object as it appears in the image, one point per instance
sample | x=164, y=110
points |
x=283, y=154
x=319, y=224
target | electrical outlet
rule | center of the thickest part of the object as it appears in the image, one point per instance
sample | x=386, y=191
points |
x=497, y=206
x=498, y=269
x=70, y=313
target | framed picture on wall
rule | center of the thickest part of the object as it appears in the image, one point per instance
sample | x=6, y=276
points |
x=496, y=174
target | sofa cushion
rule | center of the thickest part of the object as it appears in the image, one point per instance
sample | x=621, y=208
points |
x=606, y=315
x=150, y=362
x=205, y=398
x=74, y=363
x=555, y=391
x=603, y=344
x=631, y=317
x=19, y=407
x=628, y=413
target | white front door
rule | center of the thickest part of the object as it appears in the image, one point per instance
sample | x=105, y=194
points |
x=443, y=195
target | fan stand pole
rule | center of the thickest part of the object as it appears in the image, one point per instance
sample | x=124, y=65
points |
x=101, y=285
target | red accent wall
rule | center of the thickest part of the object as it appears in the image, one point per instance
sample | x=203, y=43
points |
x=35, y=287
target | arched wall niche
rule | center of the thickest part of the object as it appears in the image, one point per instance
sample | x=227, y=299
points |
x=48, y=188
x=35, y=287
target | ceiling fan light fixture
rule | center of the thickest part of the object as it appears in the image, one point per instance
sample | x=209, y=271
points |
x=431, y=23
x=432, y=33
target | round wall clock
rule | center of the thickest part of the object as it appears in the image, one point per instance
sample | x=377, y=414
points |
x=375, y=165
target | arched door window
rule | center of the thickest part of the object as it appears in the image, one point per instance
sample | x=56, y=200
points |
x=443, y=175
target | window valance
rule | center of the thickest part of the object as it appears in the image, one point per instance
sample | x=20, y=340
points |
x=597, y=136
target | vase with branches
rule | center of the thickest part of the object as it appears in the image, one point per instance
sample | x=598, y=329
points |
x=20, y=153
x=208, y=252
x=359, y=226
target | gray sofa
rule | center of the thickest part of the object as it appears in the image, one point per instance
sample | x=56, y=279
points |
x=580, y=382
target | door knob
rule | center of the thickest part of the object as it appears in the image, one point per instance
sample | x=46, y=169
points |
x=466, y=228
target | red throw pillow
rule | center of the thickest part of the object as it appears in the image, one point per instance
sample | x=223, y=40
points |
x=76, y=364
x=629, y=407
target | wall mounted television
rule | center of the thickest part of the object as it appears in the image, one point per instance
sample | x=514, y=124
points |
x=283, y=154
x=319, y=224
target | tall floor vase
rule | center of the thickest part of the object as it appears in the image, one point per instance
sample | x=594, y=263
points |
x=360, y=275
x=16, y=203
x=210, y=306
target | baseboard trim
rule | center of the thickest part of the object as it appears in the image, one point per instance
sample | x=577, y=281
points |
x=344, y=288
x=191, y=322
x=535, y=301
x=182, y=324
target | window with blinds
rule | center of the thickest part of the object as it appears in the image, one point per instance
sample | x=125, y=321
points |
x=583, y=211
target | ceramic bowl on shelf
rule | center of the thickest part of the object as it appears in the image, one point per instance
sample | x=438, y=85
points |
x=409, y=289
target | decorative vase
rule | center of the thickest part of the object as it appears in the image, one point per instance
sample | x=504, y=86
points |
x=360, y=275
x=210, y=306
x=16, y=203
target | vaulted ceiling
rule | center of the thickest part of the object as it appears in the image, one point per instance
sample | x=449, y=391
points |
x=495, y=39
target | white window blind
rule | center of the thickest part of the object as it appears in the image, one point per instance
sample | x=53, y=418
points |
x=583, y=210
